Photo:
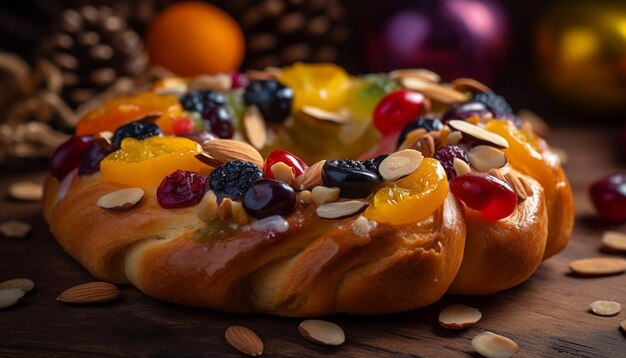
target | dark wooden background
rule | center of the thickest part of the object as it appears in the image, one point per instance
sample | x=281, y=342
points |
x=548, y=315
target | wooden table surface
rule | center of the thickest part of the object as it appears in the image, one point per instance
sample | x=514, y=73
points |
x=547, y=316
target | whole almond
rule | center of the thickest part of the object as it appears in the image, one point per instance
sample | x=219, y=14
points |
x=459, y=317
x=10, y=296
x=244, y=340
x=26, y=191
x=311, y=177
x=425, y=145
x=598, y=266
x=420, y=73
x=93, y=292
x=121, y=200
x=23, y=284
x=322, y=332
x=228, y=150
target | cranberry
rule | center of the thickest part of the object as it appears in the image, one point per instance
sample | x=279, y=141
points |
x=200, y=136
x=608, y=195
x=182, y=125
x=397, y=109
x=267, y=197
x=181, y=189
x=446, y=155
x=279, y=155
x=69, y=155
x=217, y=121
x=482, y=192
x=238, y=80
x=90, y=163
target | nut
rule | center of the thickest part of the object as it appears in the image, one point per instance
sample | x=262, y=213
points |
x=283, y=172
x=15, y=228
x=460, y=167
x=311, y=177
x=305, y=197
x=362, y=227
x=208, y=160
x=623, y=325
x=459, y=317
x=516, y=184
x=598, y=266
x=238, y=213
x=413, y=137
x=244, y=340
x=323, y=115
x=228, y=150
x=225, y=209
x=93, y=292
x=322, y=195
x=613, y=241
x=483, y=158
x=255, y=127
x=479, y=133
x=322, y=332
x=425, y=145
x=340, y=209
x=434, y=91
x=400, y=164
x=493, y=345
x=23, y=284
x=10, y=296
x=221, y=82
x=419, y=73
x=605, y=308
x=26, y=191
x=465, y=84
x=206, y=210
x=454, y=138
x=121, y=200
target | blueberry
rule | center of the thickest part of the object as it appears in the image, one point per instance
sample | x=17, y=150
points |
x=352, y=177
x=273, y=98
x=493, y=102
x=199, y=101
x=137, y=130
x=267, y=197
x=232, y=179
x=217, y=120
x=429, y=124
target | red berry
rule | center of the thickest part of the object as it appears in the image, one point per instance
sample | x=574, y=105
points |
x=278, y=155
x=397, y=109
x=492, y=197
x=181, y=189
x=608, y=195
x=182, y=125
x=238, y=80
x=69, y=155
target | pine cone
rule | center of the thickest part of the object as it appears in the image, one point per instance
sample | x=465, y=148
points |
x=93, y=47
x=280, y=32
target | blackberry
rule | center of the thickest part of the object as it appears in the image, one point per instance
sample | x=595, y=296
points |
x=273, y=98
x=445, y=155
x=233, y=179
x=200, y=101
x=352, y=177
x=429, y=124
x=495, y=103
x=137, y=130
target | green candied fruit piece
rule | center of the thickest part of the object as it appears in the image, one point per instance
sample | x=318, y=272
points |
x=370, y=91
x=213, y=231
x=235, y=107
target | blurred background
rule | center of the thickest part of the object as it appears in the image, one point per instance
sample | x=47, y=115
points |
x=566, y=60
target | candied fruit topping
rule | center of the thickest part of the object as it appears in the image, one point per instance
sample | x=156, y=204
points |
x=267, y=197
x=397, y=109
x=273, y=98
x=137, y=130
x=427, y=123
x=181, y=189
x=90, y=163
x=69, y=155
x=120, y=111
x=144, y=163
x=352, y=177
x=321, y=85
x=412, y=198
x=278, y=155
x=446, y=155
x=200, y=101
x=608, y=195
x=482, y=192
x=232, y=179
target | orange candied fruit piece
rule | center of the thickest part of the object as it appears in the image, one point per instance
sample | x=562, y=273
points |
x=120, y=111
x=321, y=85
x=410, y=199
x=144, y=163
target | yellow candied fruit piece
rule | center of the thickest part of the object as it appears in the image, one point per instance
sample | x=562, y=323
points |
x=119, y=111
x=410, y=199
x=322, y=85
x=144, y=163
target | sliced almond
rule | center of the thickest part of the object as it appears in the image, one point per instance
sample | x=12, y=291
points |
x=121, y=200
x=26, y=191
x=436, y=92
x=479, y=133
x=420, y=73
x=10, y=296
x=459, y=317
x=322, y=195
x=254, y=124
x=613, y=241
x=239, y=213
x=206, y=210
x=623, y=325
x=340, y=209
x=483, y=158
x=517, y=186
x=465, y=84
x=15, y=228
x=362, y=227
x=244, y=340
x=221, y=82
x=311, y=177
x=323, y=115
x=605, y=308
x=305, y=197
x=425, y=145
x=400, y=164
x=23, y=284
x=93, y=292
x=225, y=209
x=460, y=167
x=322, y=332
x=598, y=266
x=228, y=150
x=454, y=138
x=208, y=160
x=283, y=172
x=493, y=345
x=171, y=86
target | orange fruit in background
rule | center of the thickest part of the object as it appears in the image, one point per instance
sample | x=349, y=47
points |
x=193, y=38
